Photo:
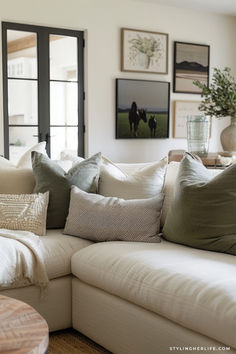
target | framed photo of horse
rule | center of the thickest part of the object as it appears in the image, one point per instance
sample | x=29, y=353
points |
x=144, y=51
x=142, y=109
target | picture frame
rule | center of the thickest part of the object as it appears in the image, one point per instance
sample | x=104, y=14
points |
x=191, y=62
x=144, y=51
x=182, y=109
x=142, y=109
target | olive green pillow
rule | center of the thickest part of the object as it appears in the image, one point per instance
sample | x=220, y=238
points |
x=49, y=176
x=203, y=212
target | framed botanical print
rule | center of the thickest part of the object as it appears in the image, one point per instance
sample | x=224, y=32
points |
x=191, y=62
x=142, y=109
x=183, y=109
x=144, y=51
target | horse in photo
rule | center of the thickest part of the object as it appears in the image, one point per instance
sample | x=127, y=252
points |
x=135, y=115
x=152, y=123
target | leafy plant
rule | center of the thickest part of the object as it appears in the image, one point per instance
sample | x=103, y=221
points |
x=219, y=99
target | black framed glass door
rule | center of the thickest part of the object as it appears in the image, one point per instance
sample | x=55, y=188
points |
x=43, y=89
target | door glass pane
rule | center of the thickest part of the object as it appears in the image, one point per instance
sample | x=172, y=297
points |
x=22, y=102
x=63, y=103
x=63, y=58
x=63, y=138
x=22, y=54
x=20, y=140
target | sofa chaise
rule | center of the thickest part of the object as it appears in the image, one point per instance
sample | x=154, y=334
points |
x=134, y=297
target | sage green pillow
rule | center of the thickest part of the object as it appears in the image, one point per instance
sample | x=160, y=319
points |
x=49, y=176
x=203, y=212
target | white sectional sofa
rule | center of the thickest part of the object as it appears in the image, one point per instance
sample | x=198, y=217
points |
x=138, y=298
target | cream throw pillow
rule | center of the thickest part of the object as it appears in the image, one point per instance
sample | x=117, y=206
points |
x=25, y=160
x=144, y=183
x=98, y=218
x=26, y=212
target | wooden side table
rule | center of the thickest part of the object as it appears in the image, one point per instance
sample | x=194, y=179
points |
x=22, y=329
x=211, y=160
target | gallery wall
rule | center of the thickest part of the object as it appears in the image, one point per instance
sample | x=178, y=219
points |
x=102, y=21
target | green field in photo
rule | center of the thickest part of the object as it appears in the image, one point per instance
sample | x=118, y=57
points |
x=123, y=128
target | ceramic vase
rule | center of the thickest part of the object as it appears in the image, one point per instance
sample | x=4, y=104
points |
x=143, y=60
x=228, y=136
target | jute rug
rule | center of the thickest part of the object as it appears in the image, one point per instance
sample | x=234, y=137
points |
x=70, y=341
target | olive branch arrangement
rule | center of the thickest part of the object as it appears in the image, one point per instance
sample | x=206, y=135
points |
x=219, y=99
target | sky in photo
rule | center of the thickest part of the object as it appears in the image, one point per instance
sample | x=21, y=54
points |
x=192, y=53
x=147, y=94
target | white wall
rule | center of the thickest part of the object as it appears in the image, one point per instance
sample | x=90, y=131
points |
x=102, y=20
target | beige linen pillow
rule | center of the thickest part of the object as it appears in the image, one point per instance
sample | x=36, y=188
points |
x=19, y=179
x=98, y=218
x=26, y=212
x=16, y=181
x=144, y=183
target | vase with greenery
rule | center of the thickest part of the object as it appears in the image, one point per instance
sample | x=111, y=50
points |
x=219, y=100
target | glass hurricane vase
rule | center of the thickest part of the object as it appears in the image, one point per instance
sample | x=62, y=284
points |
x=198, y=132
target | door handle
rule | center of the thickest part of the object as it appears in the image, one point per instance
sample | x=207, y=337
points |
x=38, y=136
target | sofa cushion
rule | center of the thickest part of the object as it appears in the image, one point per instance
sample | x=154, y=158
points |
x=144, y=183
x=99, y=218
x=202, y=214
x=57, y=251
x=194, y=288
x=49, y=176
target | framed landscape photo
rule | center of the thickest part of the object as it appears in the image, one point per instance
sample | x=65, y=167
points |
x=142, y=109
x=183, y=109
x=144, y=51
x=191, y=62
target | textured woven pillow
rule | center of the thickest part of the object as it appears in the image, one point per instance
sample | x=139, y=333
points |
x=24, y=212
x=203, y=212
x=99, y=218
x=144, y=183
x=49, y=176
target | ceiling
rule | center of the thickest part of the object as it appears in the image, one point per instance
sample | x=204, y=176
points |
x=227, y=7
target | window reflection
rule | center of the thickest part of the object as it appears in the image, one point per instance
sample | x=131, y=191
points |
x=64, y=65
x=22, y=54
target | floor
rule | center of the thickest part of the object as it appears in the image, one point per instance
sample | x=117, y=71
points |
x=70, y=341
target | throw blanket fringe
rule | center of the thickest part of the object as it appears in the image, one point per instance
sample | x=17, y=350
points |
x=21, y=260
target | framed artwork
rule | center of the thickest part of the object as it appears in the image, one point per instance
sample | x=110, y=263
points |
x=191, y=62
x=142, y=109
x=183, y=109
x=144, y=51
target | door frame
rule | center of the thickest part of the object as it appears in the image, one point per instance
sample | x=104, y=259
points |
x=43, y=79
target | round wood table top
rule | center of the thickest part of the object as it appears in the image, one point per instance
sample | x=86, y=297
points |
x=22, y=329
